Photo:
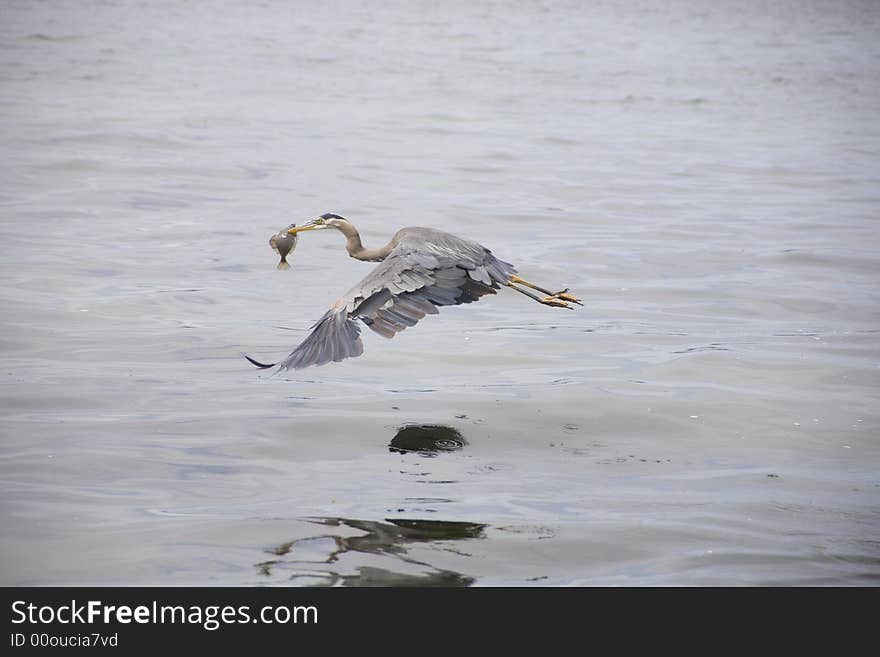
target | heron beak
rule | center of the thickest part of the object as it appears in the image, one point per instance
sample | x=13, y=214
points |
x=299, y=229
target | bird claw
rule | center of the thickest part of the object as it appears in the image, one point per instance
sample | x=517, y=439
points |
x=563, y=295
x=553, y=301
x=568, y=297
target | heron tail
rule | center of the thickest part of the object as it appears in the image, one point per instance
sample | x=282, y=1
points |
x=334, y=337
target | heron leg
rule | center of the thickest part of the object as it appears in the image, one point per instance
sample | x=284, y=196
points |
x=547, y=301
x=563, y=294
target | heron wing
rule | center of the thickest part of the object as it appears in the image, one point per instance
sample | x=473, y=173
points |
x=413, y=282
x=427, y=269
x=334, y=337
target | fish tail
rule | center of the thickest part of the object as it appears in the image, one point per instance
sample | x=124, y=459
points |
x=283, y=264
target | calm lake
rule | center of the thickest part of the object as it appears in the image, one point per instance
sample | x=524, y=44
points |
x=705, y=176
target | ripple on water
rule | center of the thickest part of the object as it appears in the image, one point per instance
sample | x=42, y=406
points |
x=333, y=559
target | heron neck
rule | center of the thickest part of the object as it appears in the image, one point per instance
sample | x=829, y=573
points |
x=357, y=250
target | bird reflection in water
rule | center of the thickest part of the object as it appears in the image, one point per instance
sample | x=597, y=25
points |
x=307, y=559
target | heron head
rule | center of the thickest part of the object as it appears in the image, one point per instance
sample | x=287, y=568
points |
x=327, y=220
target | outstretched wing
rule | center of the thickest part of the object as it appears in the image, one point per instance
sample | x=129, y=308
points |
x=403, y=291
x=334, y=337
x=412, y=282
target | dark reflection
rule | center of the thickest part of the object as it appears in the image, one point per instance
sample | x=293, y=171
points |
x=383, y=544
x=427, y=439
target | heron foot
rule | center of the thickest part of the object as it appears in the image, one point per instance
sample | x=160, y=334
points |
x=554, y=301
x=564, y=296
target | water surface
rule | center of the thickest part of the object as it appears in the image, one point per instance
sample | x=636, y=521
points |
x=705, y=177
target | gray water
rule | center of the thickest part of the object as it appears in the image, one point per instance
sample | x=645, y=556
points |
x=705, y=175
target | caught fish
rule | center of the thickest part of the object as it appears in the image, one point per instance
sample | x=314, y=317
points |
x=283, y=243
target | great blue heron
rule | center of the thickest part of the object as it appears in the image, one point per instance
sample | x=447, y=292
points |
x=421, y=269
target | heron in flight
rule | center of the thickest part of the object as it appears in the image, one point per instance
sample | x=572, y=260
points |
x=421, y=269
